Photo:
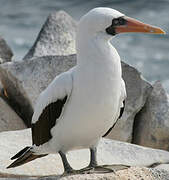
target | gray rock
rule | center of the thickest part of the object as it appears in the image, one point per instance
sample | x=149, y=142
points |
x=137, y=91
x=5, y=51
x=1, y=89
x=109, y=152
x=9, y=120
x=163, y=167
x=57, y=37
x=25, y=80
x=159, y=174
x=152, y=123
x=134, y=173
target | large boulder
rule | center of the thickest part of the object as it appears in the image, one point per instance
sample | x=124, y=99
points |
x=109, y=152
x=57, y=37
x=152, y=123
x=24, y=80
x=137, y=91
x=5, y=51
x=9, y=120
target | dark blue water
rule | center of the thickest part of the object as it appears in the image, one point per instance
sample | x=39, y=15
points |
x=21, y=20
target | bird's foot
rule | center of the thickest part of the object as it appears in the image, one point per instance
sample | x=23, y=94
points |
x=96, y=169
x=102, y=169
x=69, y=170
x=87, y=170
x=115, y=167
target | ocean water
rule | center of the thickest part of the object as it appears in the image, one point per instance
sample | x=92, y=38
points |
x=21, y=21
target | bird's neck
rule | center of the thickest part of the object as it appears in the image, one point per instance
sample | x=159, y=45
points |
x=92, y=49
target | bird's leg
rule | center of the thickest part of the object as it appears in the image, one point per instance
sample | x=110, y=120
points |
x=93, y=157
x=93, y=165
x=93, y=161
x=67, y=167
x=94, y=168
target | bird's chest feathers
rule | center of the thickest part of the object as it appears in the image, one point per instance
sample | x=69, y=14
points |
x=100, y=86
x=100, y=77
x=101, y=68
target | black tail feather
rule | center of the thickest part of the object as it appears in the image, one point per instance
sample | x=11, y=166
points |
x=24, y=156
x=20, y=153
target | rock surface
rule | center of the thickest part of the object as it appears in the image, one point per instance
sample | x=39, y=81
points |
x=5, y=51
x=109, y=152
x=137, y=91
x=57, y=37
x=134, y=173
x=25, y=80
x=152, y=128
x=163, y=167
x=9, y=120
x=1, y=88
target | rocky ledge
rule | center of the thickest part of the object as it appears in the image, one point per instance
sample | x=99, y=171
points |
x=134, y=173
x=109, y=152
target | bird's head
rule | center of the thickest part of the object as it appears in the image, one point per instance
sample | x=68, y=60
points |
x=112, y=22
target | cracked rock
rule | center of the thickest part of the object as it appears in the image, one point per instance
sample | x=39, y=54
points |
x=57, y=37
x=152, y=123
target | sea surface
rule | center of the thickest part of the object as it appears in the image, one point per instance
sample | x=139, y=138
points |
x=21, y=21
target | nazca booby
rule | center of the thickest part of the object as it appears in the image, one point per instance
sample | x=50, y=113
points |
x=83, y=104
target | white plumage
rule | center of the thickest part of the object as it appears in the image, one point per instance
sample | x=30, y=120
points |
x=95, y=88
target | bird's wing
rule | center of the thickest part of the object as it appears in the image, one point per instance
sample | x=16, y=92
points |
x=122, y=98
x=121, y=106
x=50, y=106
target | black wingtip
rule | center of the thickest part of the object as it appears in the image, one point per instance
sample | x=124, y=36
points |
x=8, y=167
x=27, y=157
x=20, y=153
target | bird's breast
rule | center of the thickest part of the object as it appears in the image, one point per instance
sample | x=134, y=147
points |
x=92, y=106
x=99, y=92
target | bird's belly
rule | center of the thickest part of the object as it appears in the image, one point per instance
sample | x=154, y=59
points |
x=92, y=116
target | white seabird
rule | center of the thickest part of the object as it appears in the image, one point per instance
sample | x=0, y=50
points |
x=81, y=105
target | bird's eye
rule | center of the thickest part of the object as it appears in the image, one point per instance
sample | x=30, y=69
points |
x=118, y=21
x=115, y=22
x=121, y=21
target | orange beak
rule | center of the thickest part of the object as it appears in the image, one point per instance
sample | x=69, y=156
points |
x=136, y=26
